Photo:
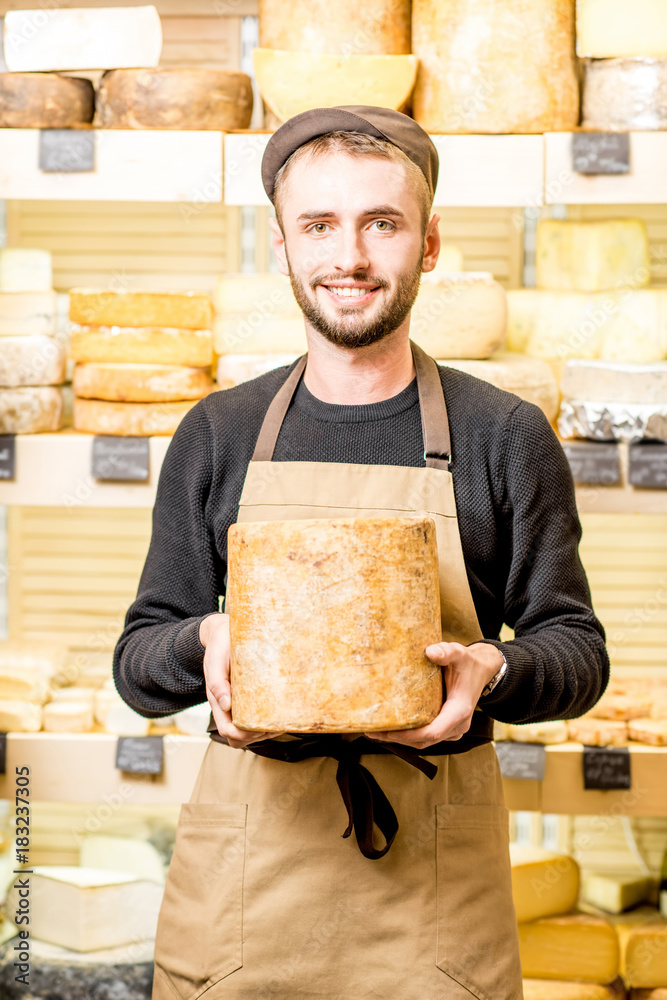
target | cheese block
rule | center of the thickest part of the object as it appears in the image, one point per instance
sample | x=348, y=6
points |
x=184, y=310
x=67, y=717
x=614, y=892
x=320, y=641
x=25, y=270
x=539, y=732
x=592, y=256
x=651, y=731
x=137, y=345
x=625, y=95
x=233, y=369
x=257, y=295
x=45, y=100
x=20, y=716
x=60, y=39
x=598, y=732
x=74, y=693
x=34, y=360
x=376, y=27
x=16, y=682
x=529, y=378
x=28, y=314
x=124, y=721
x=254, y=334
x=621, y=706
x=606, y=382
x=495, y=67
x=124, y=854
x=292, y=82
x=575, y=946
x=459, y=315
x=550, y=989
x=30, y=410
x=195, y=98
x=544, y=883
x=140, y=383
x=643, y=941
x=621, y=28
x=94, y=416
x=86, y=909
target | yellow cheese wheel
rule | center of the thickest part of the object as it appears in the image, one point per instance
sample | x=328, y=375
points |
x=184, y=310
x=591, y=256
x=140, y=383
x=574, y=946
x=459, y=315
x=34, y=360
x=529, y=378
x=321, y=641
x=141, y=345
x=489, y=66
x=93, y=416
x=375, y=27
x=30, y=409
x=544, y=883
x=45, y=100
x=550, y=989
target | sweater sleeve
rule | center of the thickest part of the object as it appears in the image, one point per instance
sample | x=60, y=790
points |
x=157, y=664
x=557, y=662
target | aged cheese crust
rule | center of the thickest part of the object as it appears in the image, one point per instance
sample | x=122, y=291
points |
x=183, y=310
x=329, y=621
x=651, y=731
x=141, y=345
x=459, y=316
x=140, y=383
x=45, y=100
x=598, y=732
x=174, y=98
x=376, y=27
x=30, y=410
x=487, y=66
x=625, y=95
x=574, y=946
x=94, y=416
x=31, y=361
x=529, y=378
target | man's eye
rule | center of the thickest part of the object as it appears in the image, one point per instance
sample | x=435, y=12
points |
x=383, y=225
x=320, y=227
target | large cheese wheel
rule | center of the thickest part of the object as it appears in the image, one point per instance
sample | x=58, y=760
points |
x=575, y=946
x=592, y=256
x=45, y=100
x=32, y=361
x=550, y=989
x=529, y=378
x=30, y=410
x=265, y=294
x=174, y=98
x=233, y=369
x=625, y=95
x=321, y=637
x=67, y=717
x=621, y=28
x=544, y=883
x=23, y=270
x=94, y=416
x=490, y=66
x=141, y=345
x=375, y=27
x=140, y=383
x=184, y=310
x=459, y=315
x=27, y=314
x=606, y=382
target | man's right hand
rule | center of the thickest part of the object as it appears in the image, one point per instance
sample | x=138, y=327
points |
x=214, y=637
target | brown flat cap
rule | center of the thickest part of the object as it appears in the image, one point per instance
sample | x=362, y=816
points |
x=382, y=123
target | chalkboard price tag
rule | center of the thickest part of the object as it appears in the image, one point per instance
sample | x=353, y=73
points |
x=648, y=465
x=121, y=459
x=601, y=153
x=7, y=456
x=521, y=760
x=606, y=768
x=66, y=151
x=139, y=754
x=3, y=753
x=593, y=464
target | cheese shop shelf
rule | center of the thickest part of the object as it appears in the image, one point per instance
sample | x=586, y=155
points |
x=646, y=182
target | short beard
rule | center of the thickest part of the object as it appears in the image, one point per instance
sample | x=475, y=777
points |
x=359, y=332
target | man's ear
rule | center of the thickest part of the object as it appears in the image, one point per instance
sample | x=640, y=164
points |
x=431, y=244
x=278, y=244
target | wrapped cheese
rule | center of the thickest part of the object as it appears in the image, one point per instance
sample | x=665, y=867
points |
x=459, y=315
x=606, y=381
x=592, y=256
x=141, y=345
x=30, y=410
x=612, y=421
x=24, y=270
x=544, y=883
x=575, y=946
x=140, y=383
x=529, y=378
x=320, y=638
x=621, y=28
x=184, y=310
x=93, y=416
x=34, y=360
x=45, y=100
x=28, y=314
x=625, y=95
x=495, y=67
x=233, y=369
x=376, y=27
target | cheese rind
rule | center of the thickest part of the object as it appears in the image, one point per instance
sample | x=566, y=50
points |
x=651, y=731
x=30, y=410
x=136, y=345
x=234, y=369
x=183, y=310
x=63, y=716
x=607, y=382
x=28, y=314
x=94, y=416
x=625, y=95
x=529, y=378
x=575, y=946
x=254, y=334
x=621, y=706
x=607, y=28
x=376, y=27
x=643, y=941
x=20, y=716
x=32, y=361
x=592, y=256
x=25, y=685
x=45, y=100
x=550, y=989
x=544, y=883
x=459, y=315
x=140, y=383
x=613, y=892
x=598, y=732
x=24, y=270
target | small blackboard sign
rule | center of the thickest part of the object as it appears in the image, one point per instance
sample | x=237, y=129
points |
x=3, y=753
x=601, y=153
x=648, y=465
x=606, y=768
x=123, y=459
x=521, y=760
x=7, y=456
x=592, y=463
x=66, y=151
x=139, y=754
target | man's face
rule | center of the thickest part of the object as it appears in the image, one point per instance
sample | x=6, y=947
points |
x=353, y=245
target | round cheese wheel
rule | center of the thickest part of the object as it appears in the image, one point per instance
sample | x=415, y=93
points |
x=182, y=310
x=94, y=416
x=30, y=410
x=67, y=717
x=490, y=66
x=233, y=369
x=36, y=360
x=529, y=378
x=174, y=98
x=138, y=383
x=141, y=345
x=459, y=315
x=625, y=94
x=45, y=100
x=375, y=27
x=321, y=641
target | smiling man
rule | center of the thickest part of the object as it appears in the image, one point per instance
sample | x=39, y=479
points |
x=264, y=897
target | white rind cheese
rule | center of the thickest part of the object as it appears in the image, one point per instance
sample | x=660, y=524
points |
x=63, y=716
x=234, y=369
x=28, y=314
x=606, y=382
x=625, y=95
x=34, y=360
x=30, y=410
x=608, y=28
x=20, y=716
x=544, y=883
x=529, y=378
x=140, y=383
x=459, y=315
x=25, y=270
x=592, y=256
x=94, y=416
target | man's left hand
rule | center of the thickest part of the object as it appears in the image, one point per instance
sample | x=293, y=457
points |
x=466, y=672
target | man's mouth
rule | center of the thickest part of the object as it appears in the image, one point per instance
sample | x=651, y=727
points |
x=352, y=293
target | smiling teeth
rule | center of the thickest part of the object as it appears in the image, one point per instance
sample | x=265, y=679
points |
x=349, y=292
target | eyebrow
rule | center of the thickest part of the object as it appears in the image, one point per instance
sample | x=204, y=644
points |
x=378, y=210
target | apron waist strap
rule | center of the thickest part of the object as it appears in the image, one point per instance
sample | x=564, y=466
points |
x=367, y=805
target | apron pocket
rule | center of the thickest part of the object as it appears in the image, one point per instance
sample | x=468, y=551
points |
x=477, y=938
x=199, y=937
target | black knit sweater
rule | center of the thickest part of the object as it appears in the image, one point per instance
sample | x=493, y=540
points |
x=517, y=516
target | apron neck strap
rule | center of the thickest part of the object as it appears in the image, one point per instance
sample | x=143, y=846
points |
x=435, y=425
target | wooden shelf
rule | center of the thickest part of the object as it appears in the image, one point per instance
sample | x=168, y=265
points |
x=645, y=184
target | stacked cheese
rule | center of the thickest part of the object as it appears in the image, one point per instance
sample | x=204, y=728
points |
x=32, y=359
x=143, y=359
x=27, y=672
x=643, y=950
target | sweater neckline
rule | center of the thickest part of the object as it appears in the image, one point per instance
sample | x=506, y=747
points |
x=337, y=413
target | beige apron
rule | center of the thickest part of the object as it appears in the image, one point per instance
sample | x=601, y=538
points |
x=264, y=899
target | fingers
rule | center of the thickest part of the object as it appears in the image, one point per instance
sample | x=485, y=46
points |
x=445, y=653
x=452, y=722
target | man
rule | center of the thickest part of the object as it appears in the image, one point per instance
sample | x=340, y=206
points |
x=264, y=897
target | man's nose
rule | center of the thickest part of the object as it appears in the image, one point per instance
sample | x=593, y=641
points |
x=350, y=253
